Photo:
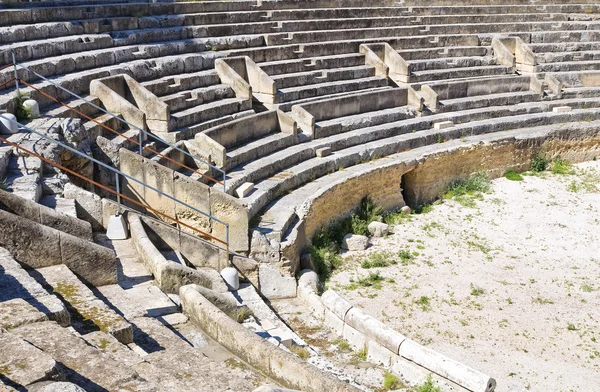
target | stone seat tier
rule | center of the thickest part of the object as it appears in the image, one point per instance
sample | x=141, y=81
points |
x=17, y=284
x=367, y=145
x=209, y=111
x=287, y=106
x=281, y=67
x=451, y=62
x=568, y=66
x=173, y=84
x=293, y=94
x=277, y=173
x=481, y=101
x=24, y=174
x=190, y=98
x=501, y=9
x=305, y=78
x=88, y=313
x=279, y=218
x=569, y=56
x=448, y=52
x=459, y=73
x=257, y=148
x=271, y=164
x=545, y=48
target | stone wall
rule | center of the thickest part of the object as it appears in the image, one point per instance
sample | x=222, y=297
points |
x=198, y=195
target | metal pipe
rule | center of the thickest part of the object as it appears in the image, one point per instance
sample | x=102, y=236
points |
x=120, y=119
x=15, y=71
x=77, y=152
x=118, y=194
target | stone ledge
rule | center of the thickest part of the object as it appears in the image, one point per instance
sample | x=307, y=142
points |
x=281, y=366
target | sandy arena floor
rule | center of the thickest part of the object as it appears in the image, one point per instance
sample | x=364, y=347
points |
x=509, y=286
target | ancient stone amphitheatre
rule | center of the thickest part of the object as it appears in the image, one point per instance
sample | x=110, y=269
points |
x=275, y=195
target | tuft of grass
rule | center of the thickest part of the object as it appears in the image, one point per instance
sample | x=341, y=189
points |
x=391, y=382
x=372, y=280
x=513, y=175
x=571, y=327
x=300, y=351
x=362, y=354
x=21, y=112
x=561, y=166
x=539, y=163
x=342, y=344
x=466, y=190
x=243, y=313
x=428, y=386
x=378, y=260
x=476, y=291
x=424, y=303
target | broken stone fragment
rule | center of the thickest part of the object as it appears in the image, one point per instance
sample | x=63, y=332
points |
x=355, y=242
x=378, y=229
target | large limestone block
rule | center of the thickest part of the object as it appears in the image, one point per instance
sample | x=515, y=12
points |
x=263, y=249
x=355, y=242
x=61, y=387
x=93, y=263
x=375, y=330
x=274, y=285
x=336, y=304
x=23, y=363
x=229, y=209
x=378, y=229
x=16, y=312
x=87, y=204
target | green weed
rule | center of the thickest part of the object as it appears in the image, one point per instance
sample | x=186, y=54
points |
x=513, y=176
x=539, y=163
x=428, y=386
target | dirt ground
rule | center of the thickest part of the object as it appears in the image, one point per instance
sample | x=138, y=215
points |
x=507, y=283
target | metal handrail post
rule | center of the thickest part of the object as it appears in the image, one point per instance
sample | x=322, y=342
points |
x=118, y=194
x=12, y=53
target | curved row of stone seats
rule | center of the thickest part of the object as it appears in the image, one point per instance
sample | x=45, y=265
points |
x=275, y=174
x=579, y=84
x=482, y=92
x=519, y=8
x=293, y=219
x=246, y=139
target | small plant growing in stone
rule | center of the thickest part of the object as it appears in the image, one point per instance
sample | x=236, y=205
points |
x=300, y=351
x=243, y=313
x=571, y=327
x=424, y=303
x=391, y=382
x=428, y=386
x=561, y=166
x=476, y=291
x=21, y=112
x=513, y=176
x=342, y=344
x=362, y=354
x=539, y=163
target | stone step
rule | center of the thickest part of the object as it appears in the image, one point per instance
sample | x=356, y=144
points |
x=325, y=89
x=569, y=66
x=22, y=296
x=208, y=111
x=258, y=148
x=66, y=206
x=84, y=365
x=23, y=364
x=451, y=62
x=88, y=312
x=361, y=144
x=459, y=73
x=568, y=56
x=23, y=174
x=280, y=67
x=546, y=48
x=448, y=52
x=172, y=84
x=187, y=99
x=188, y=132
x=481, y=101
x=323, y=76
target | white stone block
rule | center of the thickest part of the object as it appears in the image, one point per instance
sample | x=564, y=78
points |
x=405, y=210
x=378, y=229
x=274, y=285
x=117, y=228
x=356, y=338
x=323, y=152
x=33, y=107
x=231, y=277
x=8, y=123
x=561, y=109
x=333, y=322
x=380, y=355
x=244, y=189
x=443, y=125
x=336, y=303
x=355, y=242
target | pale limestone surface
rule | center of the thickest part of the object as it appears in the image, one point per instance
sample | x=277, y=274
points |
x=530, y=246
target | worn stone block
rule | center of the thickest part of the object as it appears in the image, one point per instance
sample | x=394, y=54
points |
x=323, y=152
x=443, y=125
x=244, y=189
x=273, y=284
x=561, y=109
x=336, y=303
x=355, y=242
